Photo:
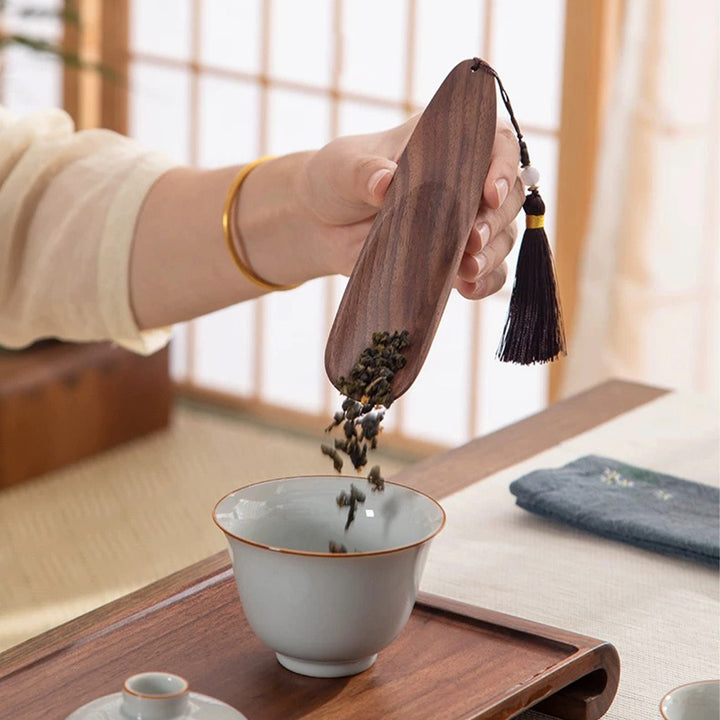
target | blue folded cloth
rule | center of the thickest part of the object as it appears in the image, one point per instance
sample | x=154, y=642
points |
x=637, y=506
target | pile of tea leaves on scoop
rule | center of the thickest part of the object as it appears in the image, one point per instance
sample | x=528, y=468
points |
x=368, y=394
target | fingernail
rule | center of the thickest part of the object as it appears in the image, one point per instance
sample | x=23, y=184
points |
x=375, y=179
x=481, y=261
x=479, y=286
x=484, y=232
x=501, y=186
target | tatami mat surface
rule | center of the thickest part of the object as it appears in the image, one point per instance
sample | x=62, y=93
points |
x=79, y=537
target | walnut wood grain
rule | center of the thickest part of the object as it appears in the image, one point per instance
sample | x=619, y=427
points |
x=581, y=686
x=189, y=622
x=409, y=261
x=452, y=660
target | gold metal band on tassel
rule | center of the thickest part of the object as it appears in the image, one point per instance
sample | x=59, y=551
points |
x=242, y=264
x=534, y=221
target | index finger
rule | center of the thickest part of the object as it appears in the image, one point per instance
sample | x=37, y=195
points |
x=504, y=163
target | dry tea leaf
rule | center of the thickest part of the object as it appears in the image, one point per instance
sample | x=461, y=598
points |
x=371, y=381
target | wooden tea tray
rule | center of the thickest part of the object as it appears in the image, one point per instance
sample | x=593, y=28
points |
x=451, y=661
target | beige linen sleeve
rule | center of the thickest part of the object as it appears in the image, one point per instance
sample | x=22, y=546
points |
x=69, y=202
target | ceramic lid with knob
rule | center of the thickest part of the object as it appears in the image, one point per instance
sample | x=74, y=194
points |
x=156, y=696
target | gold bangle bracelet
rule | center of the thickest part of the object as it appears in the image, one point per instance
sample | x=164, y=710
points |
x=242, y=264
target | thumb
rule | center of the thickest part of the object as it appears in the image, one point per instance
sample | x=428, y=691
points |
x=372, y=179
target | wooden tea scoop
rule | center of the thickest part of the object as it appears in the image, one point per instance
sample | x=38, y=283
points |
x=410, y=259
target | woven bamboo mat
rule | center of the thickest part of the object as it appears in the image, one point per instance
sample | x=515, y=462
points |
x=77, y=538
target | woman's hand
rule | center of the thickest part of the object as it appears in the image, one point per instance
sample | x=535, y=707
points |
x=299, y=216
x=344, y=184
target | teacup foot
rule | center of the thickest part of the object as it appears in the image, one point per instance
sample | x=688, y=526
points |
x=320, y=669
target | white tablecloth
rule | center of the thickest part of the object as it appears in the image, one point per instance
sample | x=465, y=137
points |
x=660, y=613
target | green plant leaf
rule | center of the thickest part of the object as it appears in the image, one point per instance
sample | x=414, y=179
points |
x=70, y=59
x=67, y=13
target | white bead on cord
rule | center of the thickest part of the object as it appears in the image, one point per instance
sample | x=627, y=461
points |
x=530, y=175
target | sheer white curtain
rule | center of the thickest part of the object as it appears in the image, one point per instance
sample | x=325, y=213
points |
x=649, y=286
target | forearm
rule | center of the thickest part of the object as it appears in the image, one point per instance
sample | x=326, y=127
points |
x=180, y=266
x=100, y=240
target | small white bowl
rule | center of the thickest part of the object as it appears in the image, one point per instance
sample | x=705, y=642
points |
x=326, y=614
x=694, y=701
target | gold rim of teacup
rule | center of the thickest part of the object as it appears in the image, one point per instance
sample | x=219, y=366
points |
x=680, y=687
x=308, y=553
x=156, y=696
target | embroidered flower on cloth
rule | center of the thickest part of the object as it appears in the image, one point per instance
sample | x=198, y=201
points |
x=613, y=477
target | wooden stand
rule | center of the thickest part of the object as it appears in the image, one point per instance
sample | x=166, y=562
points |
x=61, y=402
x=452, y=661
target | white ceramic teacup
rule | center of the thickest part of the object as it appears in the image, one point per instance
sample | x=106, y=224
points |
x=155, y=696
x=325, y=614
x=694, y=701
